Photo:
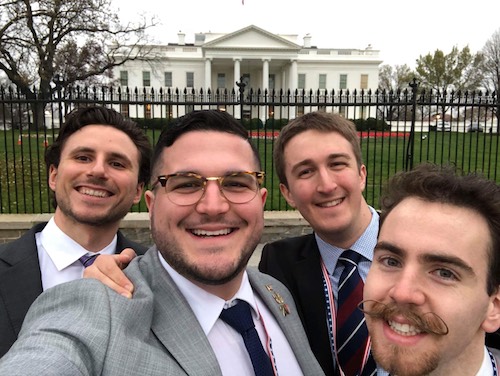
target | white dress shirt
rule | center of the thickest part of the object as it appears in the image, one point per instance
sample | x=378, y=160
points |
x=58, y=255
x=226, y=342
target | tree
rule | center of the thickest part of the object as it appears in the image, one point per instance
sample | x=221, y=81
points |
x=459, y=70
x=390, y=78
x=491, y=69
x=66, y=41
x=491, y=63
x=391, y=81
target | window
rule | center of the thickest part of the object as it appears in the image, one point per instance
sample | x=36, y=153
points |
x=168, y=79
x=272, y=80
x=364, y=82
x=301, y=84
x=221, y=80
x=123, y=78
x=343, y=81
x=189, y=79
x=146, y=78
x=124, y=110
x=322, y=81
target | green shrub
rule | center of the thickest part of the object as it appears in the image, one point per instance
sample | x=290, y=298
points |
x=275, y=124
x=251, y=124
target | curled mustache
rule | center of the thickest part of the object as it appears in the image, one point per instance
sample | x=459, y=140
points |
x=427, y=322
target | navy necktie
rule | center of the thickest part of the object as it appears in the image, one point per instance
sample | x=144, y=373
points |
x=240, y=318
x=352, y=333
x=87, y=260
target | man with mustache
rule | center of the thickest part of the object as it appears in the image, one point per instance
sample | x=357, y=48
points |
x=433, y=290
x=97, y=168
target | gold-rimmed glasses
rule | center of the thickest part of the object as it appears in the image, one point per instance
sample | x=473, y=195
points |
x=187, y=188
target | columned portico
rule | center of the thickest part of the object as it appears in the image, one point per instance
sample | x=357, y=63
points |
x=237, y=72
x=265, y=74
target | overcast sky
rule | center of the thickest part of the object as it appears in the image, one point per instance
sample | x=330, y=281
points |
x=401, y=30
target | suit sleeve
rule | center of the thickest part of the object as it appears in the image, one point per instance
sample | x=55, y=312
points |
x=66, y=332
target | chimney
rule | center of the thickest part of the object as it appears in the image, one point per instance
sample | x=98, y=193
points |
x=182, y=37
x=307, y=41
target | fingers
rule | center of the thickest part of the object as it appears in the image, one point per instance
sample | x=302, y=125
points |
x=108, y=270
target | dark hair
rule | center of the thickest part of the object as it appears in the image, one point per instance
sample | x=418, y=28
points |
x=202, y=120
x=319, y=121
x=444, y=184
x=96, y=115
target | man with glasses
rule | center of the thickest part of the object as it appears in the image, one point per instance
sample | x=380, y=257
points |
x=202, y=311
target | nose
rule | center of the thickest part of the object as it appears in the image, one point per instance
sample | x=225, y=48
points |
x=326, y=181
x=98, y=168
x=407, y=289
x=213, y=201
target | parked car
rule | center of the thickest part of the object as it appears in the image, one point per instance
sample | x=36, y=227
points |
x=443, y=126
x=474, y=127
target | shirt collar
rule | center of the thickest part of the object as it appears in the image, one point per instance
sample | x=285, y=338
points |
x=64, y=251
x=364, y=245
x=207, y=307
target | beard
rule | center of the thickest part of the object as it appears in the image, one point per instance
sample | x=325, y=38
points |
x=111, y=216
x=215, y=274
x=399, y=360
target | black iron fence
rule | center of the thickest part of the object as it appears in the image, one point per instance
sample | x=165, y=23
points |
x=397, y=129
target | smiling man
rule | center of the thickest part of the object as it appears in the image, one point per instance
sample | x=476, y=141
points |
x=97, y=168
x=192, y=288
x=432, y=292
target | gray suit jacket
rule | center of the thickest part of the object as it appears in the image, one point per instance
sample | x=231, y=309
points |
x=21, y=281
x=84, y=328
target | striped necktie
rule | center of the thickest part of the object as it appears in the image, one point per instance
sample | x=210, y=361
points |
x=88, y=260
x=352, y=334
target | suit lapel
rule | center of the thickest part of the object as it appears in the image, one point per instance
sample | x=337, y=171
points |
x=175, y=324
x=20, y=277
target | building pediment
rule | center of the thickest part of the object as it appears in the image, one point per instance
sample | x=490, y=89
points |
x=252, y=37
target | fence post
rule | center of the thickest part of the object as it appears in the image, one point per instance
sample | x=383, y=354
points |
x=411, y=138
x=241, y=86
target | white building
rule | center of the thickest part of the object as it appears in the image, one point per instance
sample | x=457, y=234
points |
x=262, y=60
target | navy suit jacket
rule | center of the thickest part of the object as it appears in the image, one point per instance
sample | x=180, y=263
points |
x=21, y=281
x=296, y=262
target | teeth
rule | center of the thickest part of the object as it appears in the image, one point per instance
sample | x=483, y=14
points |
x=211, y=233
x=331, y=203
x=93, y=192
x=404, y=329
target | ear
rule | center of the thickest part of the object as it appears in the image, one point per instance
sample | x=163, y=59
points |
x=362, y=177
x=491, y=322
x=287, y=195
x=138, y=193
x=263, y=195
x=52, y=177
x=149, y=197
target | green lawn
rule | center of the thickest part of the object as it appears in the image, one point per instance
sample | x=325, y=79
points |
x=23, y=179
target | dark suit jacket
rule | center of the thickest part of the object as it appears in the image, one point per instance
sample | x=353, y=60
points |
x=21, y=281
x=296, y=262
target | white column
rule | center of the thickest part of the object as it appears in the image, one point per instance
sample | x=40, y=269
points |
x=237, y=73
x=208, y=73
x=265, y=74
x=293, y=86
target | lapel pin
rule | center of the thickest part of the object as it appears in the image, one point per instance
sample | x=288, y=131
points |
x=285, y=310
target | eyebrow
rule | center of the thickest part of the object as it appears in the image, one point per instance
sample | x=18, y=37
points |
x=85, y=149
x=428, y=257
x=309, y=161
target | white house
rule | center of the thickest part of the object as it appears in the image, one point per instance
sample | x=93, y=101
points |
x=261, y=59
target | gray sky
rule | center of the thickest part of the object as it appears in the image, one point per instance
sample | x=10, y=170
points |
x=402, y=35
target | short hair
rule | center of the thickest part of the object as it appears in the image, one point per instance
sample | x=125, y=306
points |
x=318, y=121
x=201, y=120
x=97, y=115
x=445, y=184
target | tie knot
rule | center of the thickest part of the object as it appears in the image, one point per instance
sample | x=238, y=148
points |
x=239, y=317
x=350, y=257
x=87, y=260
